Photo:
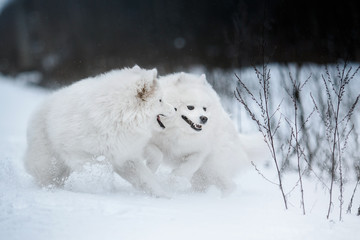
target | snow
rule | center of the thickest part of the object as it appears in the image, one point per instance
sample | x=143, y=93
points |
x=99, y=205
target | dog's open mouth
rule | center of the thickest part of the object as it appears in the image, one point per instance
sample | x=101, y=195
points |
x=159, y=121
x=196, y=127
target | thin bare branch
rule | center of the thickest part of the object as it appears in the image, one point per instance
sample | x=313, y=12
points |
x=259, y=172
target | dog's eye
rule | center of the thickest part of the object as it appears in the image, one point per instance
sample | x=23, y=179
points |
x=160, y=100
x=190, y=107
x=204, y=109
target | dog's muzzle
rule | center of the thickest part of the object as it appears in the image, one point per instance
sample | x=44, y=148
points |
x=196, y=127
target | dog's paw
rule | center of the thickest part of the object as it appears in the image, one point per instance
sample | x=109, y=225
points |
x=177, y=184
x=162, y=195
x=227, y=189
x=157, y=192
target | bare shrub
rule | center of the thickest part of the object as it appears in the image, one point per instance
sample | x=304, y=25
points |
x=336, y=119
x=323, y=147
x=297, y=124
x=268, y=123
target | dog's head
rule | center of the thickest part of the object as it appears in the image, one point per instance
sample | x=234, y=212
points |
x=195, y=115
x=193, y=99
x=145, y=101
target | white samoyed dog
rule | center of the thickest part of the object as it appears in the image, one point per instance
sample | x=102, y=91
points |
x=200, y=142
x=108, y=118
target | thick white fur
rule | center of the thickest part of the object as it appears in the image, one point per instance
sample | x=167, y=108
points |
x=109, y=117
x=212, y=156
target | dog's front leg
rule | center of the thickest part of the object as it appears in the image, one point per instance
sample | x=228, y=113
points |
x=189, y=165
x=135, y=172
x=154, y=157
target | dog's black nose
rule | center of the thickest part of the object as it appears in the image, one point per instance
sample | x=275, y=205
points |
x=203, y=119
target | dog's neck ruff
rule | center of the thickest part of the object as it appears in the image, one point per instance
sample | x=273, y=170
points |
x=196, y=127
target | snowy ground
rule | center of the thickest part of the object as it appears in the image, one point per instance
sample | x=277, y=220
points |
x=93, y=210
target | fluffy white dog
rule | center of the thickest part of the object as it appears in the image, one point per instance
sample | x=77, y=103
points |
x=200, y=141
x=108, y=118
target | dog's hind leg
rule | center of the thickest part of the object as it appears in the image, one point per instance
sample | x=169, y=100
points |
x=44, y=166
x=40, y=160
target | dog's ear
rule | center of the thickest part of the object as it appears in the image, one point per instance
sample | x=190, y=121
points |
x=155, y=81
x=181, y=77
x=154, y=73
x=136, y=67
x=147, y=88
x=141, y=93
x=203, y=78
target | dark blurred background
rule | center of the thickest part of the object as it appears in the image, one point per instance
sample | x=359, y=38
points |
x=66, y=40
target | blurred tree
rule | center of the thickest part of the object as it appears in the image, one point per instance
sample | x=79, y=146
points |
x=70, y=39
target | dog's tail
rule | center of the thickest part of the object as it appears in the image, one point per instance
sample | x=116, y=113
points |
x=255, y=147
